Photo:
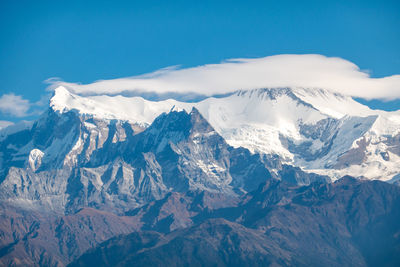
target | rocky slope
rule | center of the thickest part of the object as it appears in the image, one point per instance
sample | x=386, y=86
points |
x=31, y=238
x=348, y=223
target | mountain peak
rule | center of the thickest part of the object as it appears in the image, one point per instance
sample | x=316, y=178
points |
x=60, y=94
x=61, y=99
x=178, y=125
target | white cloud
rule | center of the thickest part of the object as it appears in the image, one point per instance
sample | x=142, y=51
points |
x=4, y=124
x=17, y=106
x=14, y=105
x=312, y=71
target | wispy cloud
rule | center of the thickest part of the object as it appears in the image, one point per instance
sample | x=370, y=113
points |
x=16, y=106
x=311, y=71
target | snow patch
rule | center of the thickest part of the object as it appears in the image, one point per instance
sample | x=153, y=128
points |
x=35, y=158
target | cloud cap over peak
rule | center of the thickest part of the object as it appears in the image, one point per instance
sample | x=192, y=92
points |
x=309, y=71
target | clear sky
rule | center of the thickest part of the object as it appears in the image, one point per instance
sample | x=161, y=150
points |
x=84, y=41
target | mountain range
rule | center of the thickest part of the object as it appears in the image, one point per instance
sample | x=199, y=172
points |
x=248, y=178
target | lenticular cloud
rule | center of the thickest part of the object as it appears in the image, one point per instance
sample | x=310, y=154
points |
x=310, y=71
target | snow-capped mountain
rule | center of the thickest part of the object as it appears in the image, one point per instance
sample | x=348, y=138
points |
x=95, y=167
x=314, y=129
x=115, y=152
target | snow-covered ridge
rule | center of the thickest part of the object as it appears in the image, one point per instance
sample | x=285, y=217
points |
x=119, y=107
x=248, y=105
x=311, y=128
x=135, y=109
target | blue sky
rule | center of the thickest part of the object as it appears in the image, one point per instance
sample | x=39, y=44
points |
x=85, y=42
